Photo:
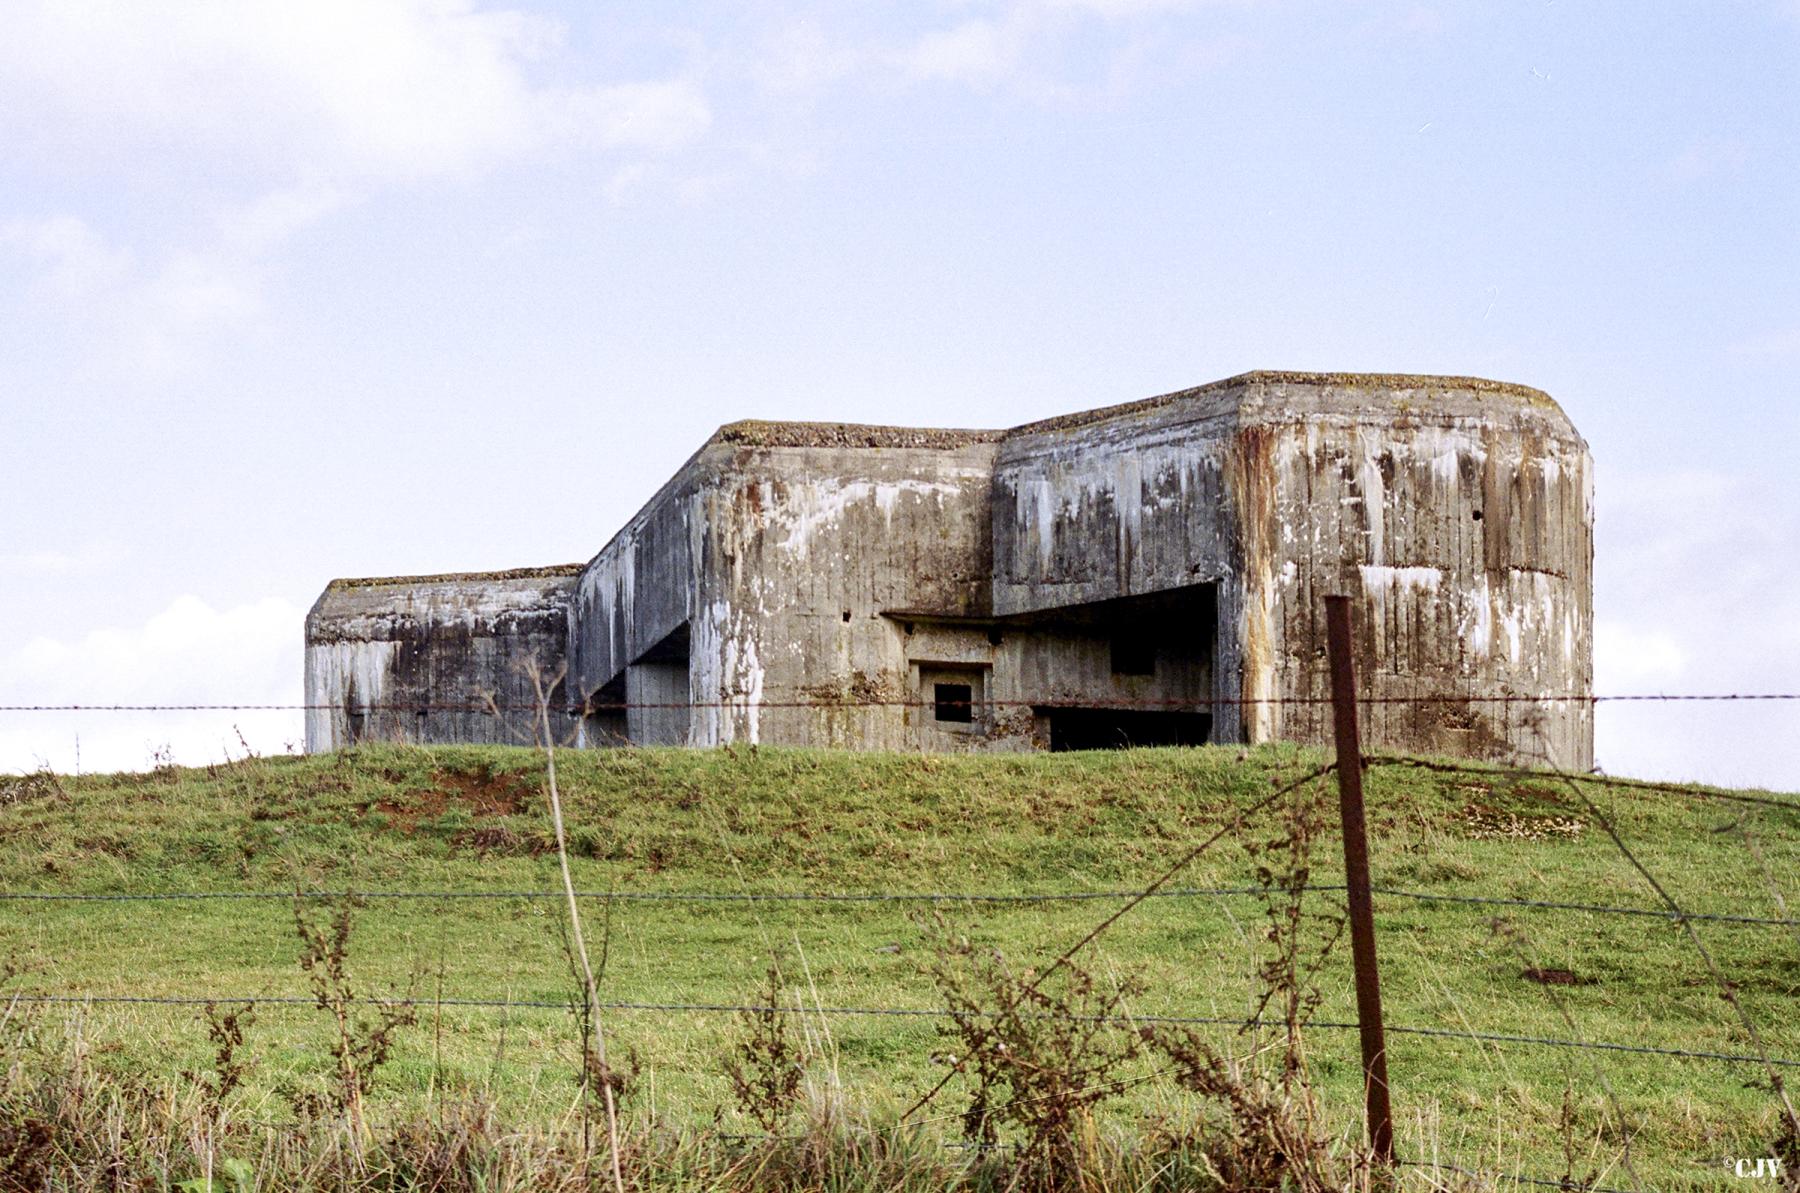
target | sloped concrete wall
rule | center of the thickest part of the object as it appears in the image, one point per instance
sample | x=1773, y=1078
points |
x=1127, y=502
x=385, y=657
x=640, y=587
x=1096, y=507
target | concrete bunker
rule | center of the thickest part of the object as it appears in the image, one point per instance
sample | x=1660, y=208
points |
x=435, y=658
x=1151, y=573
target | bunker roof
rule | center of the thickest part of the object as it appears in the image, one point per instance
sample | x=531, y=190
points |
x=757, y=433
x=553, y=572
x=1411, y=383
x=761, y=433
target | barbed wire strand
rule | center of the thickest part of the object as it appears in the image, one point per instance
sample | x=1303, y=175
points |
x=1497, y=771
x=1517, y=774
x=1123, y=1022
x=880, y=897
x=662, y=896
x=743, y=703
x=1673, y=911
x=1160, y=881
x=1595, y=908
x=1726, y=989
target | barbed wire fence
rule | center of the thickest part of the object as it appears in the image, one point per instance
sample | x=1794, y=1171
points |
x=1667, y=908
x=486, y=707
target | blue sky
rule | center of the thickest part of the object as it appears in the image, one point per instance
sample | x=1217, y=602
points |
x=290, y=292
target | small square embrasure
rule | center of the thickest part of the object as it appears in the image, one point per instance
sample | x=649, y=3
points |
x=955, y=702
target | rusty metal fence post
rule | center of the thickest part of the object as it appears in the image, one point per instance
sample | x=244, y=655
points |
x=1356, y=878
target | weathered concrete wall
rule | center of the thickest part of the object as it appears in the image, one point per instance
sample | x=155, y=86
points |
x=1121, y=503
x=1032, y=665
x=848, y=570
x=1091, y=509
x=813, y=533
x=658, y=695
x=640, y=587
x=1460, y=514
x=1459, y=510
x=384, y=656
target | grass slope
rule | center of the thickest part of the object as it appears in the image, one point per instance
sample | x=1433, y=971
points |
x=768, y=821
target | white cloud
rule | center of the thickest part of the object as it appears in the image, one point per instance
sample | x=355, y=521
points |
x=281, y=114
x=657, y=117
x=1118, y=9
x=76, y=262
x=84, y=560
x=801, y=58
x=700, y=189
x=342, y=89
x=189, y=653
x=194, y=299
x=1027, y=46
x=268, y=220
x=1019, y=43
x=1057, y=52
x=145, y=319
x=624, y=182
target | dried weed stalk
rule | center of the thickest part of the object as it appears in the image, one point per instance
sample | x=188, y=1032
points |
x=1272, y=1132
x=225, y=1028
x=1039, y=1054
x=595, y=1069
x=360, y=1046
x=766, y=1067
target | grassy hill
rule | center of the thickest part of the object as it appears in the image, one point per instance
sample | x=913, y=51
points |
x=761, y=821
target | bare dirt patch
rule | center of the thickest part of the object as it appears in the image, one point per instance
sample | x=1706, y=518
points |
x=481, y=793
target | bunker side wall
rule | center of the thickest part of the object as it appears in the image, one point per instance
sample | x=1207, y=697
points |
x=1460, y=517
x=639, y=589
x=415, y=661
x=1137, y=504
x=1462, y=527
x=806, y=555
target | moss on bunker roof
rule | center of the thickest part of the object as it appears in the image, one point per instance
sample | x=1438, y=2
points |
x=761, y=433
x=554, y=572
x=1410, y=383
x=758, y=433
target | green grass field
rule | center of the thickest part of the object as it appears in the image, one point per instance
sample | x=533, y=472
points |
x=784, y=821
